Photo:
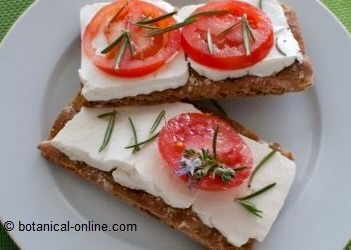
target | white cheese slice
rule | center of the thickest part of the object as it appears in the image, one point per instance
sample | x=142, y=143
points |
x=99, y=86
x=273, y=63
x=144, y=170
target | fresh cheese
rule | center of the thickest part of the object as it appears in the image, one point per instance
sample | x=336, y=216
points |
x=99, y=86
x=273, y=63
x=144, y=170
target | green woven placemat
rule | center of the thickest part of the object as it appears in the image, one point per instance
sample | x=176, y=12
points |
x=10, y=10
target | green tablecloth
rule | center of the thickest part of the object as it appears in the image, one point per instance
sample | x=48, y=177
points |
x=11, y=9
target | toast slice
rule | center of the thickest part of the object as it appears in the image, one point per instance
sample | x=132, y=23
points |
x=297, y=77
x=184, y=220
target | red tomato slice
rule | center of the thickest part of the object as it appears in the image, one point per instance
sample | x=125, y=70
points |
x=229, y=50
x=150, y=52
x=196, y=131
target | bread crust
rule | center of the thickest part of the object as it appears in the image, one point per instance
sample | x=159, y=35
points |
x=294, y=78
x=184, y=220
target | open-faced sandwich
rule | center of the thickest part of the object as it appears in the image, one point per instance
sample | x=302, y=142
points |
x=146, y=52
x=203, y=174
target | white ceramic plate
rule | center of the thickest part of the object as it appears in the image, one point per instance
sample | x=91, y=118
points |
x=38, y=64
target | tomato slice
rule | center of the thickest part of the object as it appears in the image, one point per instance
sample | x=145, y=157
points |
x=150, y=53
x=228, y=48
x=196, y=131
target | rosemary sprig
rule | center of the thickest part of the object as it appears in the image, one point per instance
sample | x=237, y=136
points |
x=106, y=114
x=258, y=192
x=121, y=52
x=260, y=4
x=129, y=41
x=187, y=21
x=143, y=142
x=260, y=164
x=156, y=19
x=157, y=121
x=219, y=107
x=227, y=30
x=170, y=28
x=246, y=34
x=109, y=129
x=214, y=142
x=251, y=208
x=279, y=49
x=113, y=44
x=146, y=26
x=135, y=136
x=209, y=42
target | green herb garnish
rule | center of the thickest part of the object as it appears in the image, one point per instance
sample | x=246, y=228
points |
x=109, y=129
x=227, y=30
x=197, y=165
x=251, y=208
x=157, y=121
x=113, y=44
x=156, y=19
x=209, y=42
x=143, y=142
x=126, y=42
x=136, y=145
x=246, y=34
x=260, y=164
x=187, y=21
x=348, y=246
x=135, y=136
x=279, y=49
x=260, y=4
x=248, y=205
x=121, y=52
x=146, y=26
x=219, y=107
x=261, y=191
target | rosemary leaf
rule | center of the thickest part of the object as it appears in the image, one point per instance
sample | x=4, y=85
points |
x=258, y=192
x=227, y=30
x=143, y=142
x=135, y=136
x=246, y=35
x=219, y=107
x=260, y=164
x=214, y=142
x=187, y=21
x=147, y=26
x=109, y=129
x=121, y=51
x=209, y=42
x=157, y=121
x=209, y=13
x=251, y=208
x=113, y=44
x=130, y=46
x=156, y=19
x=260, y=4
x=106, y=114
x=279, y=49
x=170, y=28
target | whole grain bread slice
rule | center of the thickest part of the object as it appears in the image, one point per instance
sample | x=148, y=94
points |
x=297, y=77
x=184, y=220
